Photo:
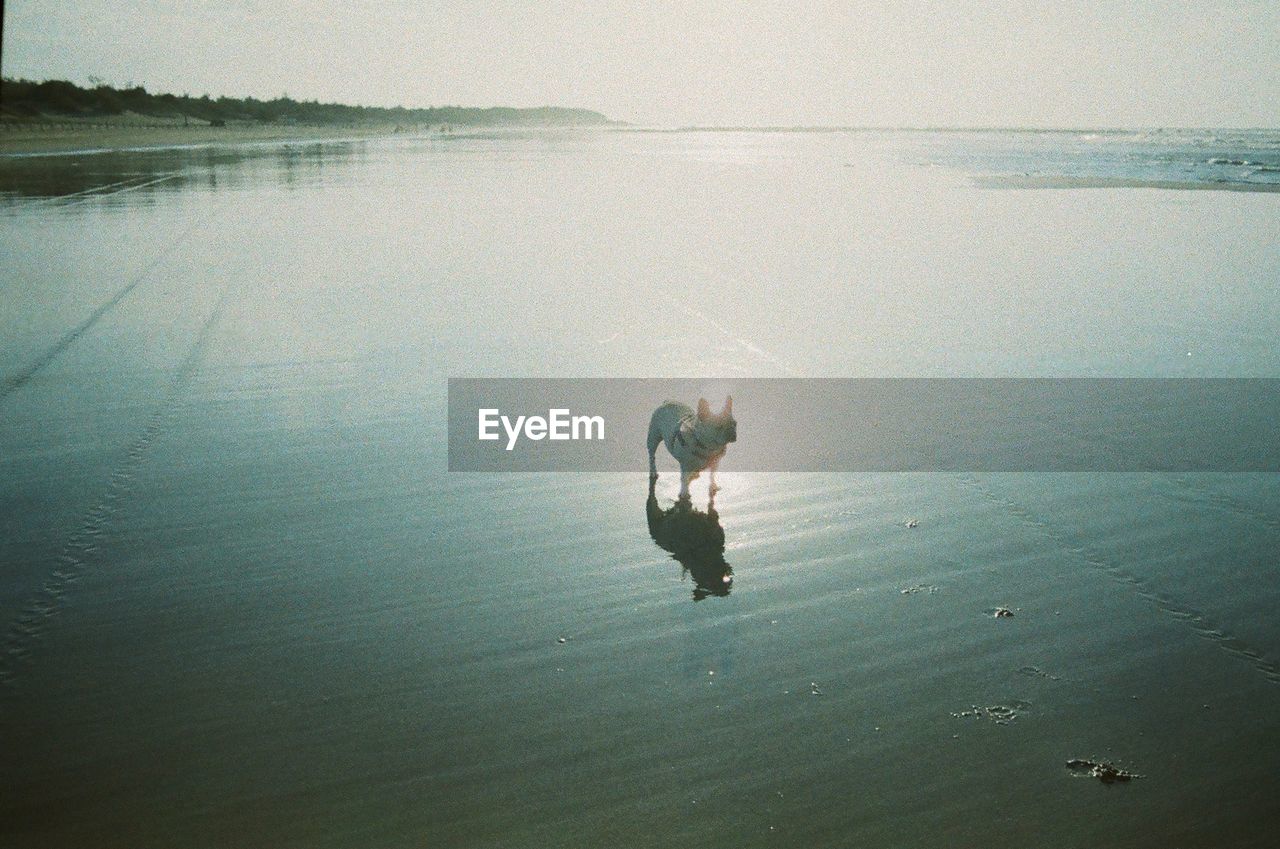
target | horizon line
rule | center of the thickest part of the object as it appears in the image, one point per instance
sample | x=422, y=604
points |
x=635, y=126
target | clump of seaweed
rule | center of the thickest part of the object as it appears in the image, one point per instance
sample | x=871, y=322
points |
x=999, y=714
x=1105, y=772
x=1037, y=672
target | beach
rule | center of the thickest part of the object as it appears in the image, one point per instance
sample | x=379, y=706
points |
x=69, y=135
x=246, y=604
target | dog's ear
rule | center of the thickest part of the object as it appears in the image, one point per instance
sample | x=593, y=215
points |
x=728, y=406
x=704, y=410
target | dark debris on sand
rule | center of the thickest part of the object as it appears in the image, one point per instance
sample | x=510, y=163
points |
x=1037, y=672
x=1105, y=772
x=999, y=714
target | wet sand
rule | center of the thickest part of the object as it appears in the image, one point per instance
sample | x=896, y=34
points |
x=68, y=137
x=244, y=603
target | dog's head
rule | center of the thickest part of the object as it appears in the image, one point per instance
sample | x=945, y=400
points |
x=724, y=423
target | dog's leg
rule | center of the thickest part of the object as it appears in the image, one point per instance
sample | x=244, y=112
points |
x=712, y=488
x=685, y=477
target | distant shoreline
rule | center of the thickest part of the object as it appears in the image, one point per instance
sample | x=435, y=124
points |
x=50, y=135
x=58, y=116
x=62, y=138
x=876, y=128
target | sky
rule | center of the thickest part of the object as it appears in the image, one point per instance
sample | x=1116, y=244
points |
x=1071, y=63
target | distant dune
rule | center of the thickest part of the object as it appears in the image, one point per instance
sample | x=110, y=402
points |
x=27, y=100
x=59, y=116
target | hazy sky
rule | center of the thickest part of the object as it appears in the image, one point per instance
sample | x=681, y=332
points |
x=893, y=62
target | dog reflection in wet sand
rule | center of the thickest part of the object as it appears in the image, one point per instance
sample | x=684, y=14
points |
x=694, y=539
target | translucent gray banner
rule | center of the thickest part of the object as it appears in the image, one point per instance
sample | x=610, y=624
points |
x=876, y=425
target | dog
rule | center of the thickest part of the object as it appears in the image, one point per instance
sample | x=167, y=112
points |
x=696, y=440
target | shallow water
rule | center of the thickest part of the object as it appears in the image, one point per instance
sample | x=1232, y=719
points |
x=244, y=604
